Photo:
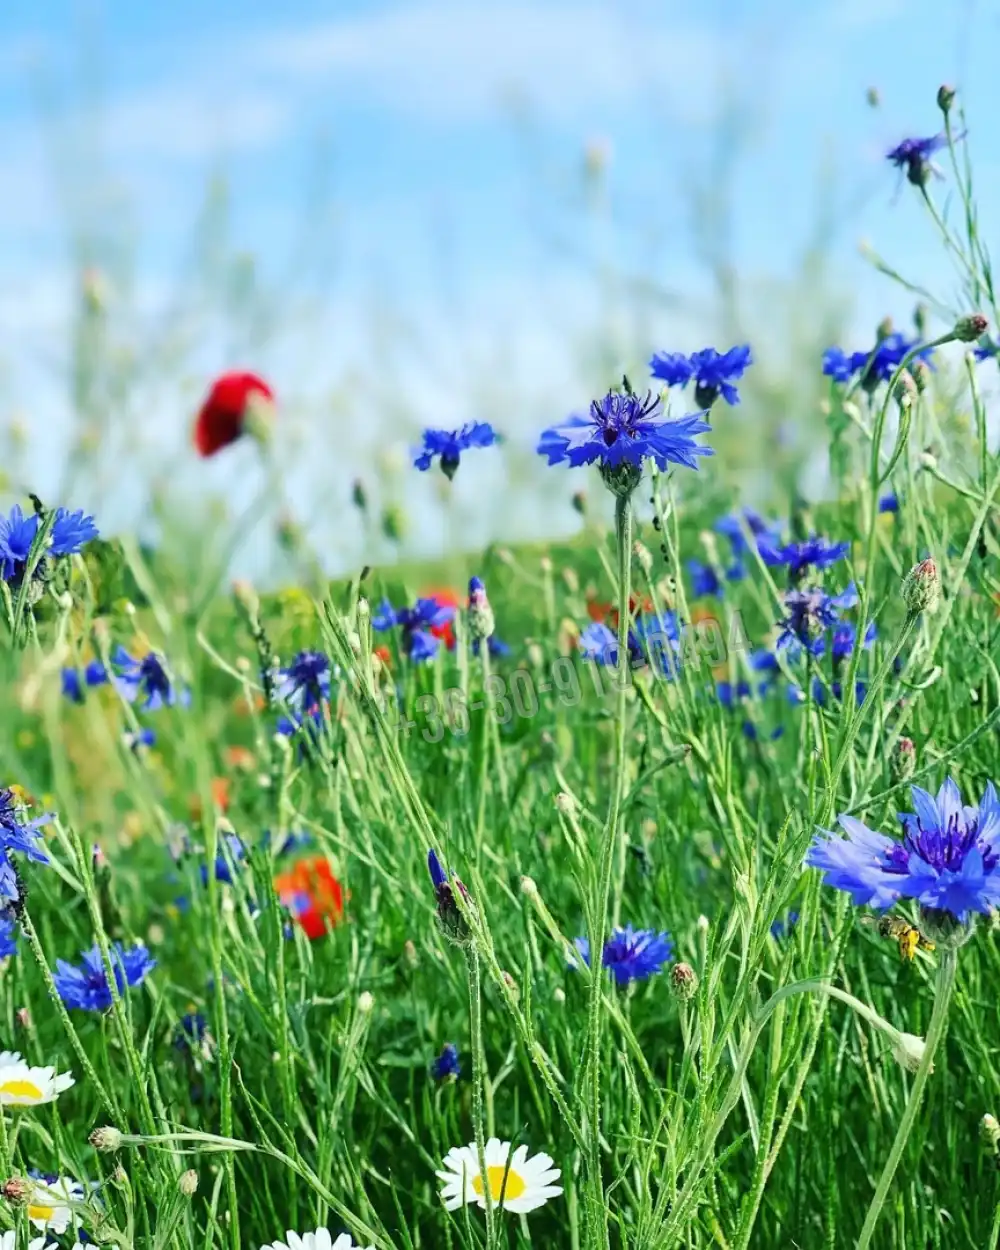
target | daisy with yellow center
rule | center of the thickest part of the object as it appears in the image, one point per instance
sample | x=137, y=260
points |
x=24, y=1086
x=516, y=1183
x=50, y=1206
x=8, y=1241
x=321, y=1239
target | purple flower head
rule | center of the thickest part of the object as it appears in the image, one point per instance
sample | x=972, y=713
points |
x=948, y=859
x=71, y=531
x=8, y=946
x=762, y=530
x=631, y=954
x=17, y=835
x=651, y=640
x=623, y=429
x=812, y=552
x=845, y=637
x=95, y=674
x=146, y=681
x=446, y=1066
x=914, y=157
x=448, y=445
x=231, y=854
x=809, y=613
x=438, y=875
x=872, y=367
x=889, y=502
x=306, y=681
x=416, y=624
x=86, y=988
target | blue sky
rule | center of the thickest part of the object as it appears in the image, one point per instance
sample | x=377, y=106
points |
x=435, y=149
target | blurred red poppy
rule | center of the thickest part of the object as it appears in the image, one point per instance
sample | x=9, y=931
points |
x=312, y=894
x=220, y=420
x=598, y=611
x=445, y=598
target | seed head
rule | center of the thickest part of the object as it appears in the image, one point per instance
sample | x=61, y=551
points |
x=17, y=1191
x=922, y=587
x=908, y=1051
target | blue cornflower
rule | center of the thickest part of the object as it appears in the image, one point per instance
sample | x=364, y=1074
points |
x=600, y=643
x=192, y=1031
x=713, y=372
x=496, y=646
x=809, y=613
x=948, y=859
x=889, y=502
x=95, y=674
x=232, y=853
x=306, y=681
x=811, y=552
x=650, y=640
x=8, y=946
x=875, y=366
x=294, y=840
x=704, y=579
x=631, y=954
x=416, y=623
x=761, y=529
x=140, y=738
x=449, y=445
x=446, y=1066
x=914, y=156
x=71, y=531
x=845, y=637
x=146, y=680
x=86, y=988
x=20, y=835
x=836, y=691
x=764, y=661
x=623, y=429
x=781, y=928
x=729, y=694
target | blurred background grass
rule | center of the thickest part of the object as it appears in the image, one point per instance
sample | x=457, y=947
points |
x=421, y=213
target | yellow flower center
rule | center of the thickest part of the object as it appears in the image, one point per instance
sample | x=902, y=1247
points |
x=27, y=1091
x=40, y=1213
x=513, y=1189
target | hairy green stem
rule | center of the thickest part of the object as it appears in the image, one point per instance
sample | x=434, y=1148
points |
x=943, y=988
x=478, y=1089
x=598, y=1223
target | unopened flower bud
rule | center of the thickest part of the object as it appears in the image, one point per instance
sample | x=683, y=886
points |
x=920, y=371
x=883, y=329
x=683, y=982
x=945, y=98
x=17, y=1191
x=571, y=579
x=481, y=620
x=971, y=327
x=187, y=1182
x=580, y=502
x=990, y=1129
x=703, y=924
x=565, y=803
x=920, y=313
x=451, y=919
x=529, y=887
x=644, y=556
x=394, y=523
x=511, y=985
x=359, y=496
x=23, y=1017
x=922, y=587
x=872, y=98
x=559, y=995
x=366, y=1001
x=908, y=1051
x=905, y=391
x=904, y=759
x=106, y=1138
x=410, y=953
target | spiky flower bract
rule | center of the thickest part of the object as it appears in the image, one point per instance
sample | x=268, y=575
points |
x=85, y=987
x=516, y=1182
x=631, y=954
x=448, y=445
x=948, y=859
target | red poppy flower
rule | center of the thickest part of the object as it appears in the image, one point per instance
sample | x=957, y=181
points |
x=598, y=611
x=444, y=598
x=312, y=894
x=220, y=420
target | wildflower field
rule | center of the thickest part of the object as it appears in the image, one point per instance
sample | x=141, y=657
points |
x=636, y=891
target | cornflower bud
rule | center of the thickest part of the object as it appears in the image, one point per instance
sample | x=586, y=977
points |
x=481, y=620
x=17, y=1191
x=106, y=1138
x=450, y=918
x=359, y=496
x=683, y=982
x=990, y=1130
x=366, y=1001
x=971, y=327
x=922, y=587
x=187, y=1182
x=945, y=98
x=904, y=759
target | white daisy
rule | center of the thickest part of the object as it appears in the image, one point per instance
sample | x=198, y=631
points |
x=319, y=1240
x=48, y=1206
x=528, y=1181
x=8, y=1241
x=24, y=1086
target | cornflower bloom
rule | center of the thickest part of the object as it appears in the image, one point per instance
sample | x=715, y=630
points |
x=20, y=836
x=948, y=859
x=713, y=372
x=704, y=579
x=914, y=157
x=872, y=367
x=86, y=988
x=809, y=613
x=446, y=1066
x=306, y=681
x=146, y=681
x=812, y=552
x=417, y=625
x=95, y=674
x=448, y=445
x=631, y=954
x=70, y=533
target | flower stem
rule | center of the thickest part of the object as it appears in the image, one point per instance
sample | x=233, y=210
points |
x=943, y=988
x=478, y=1090
x=599, y=914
